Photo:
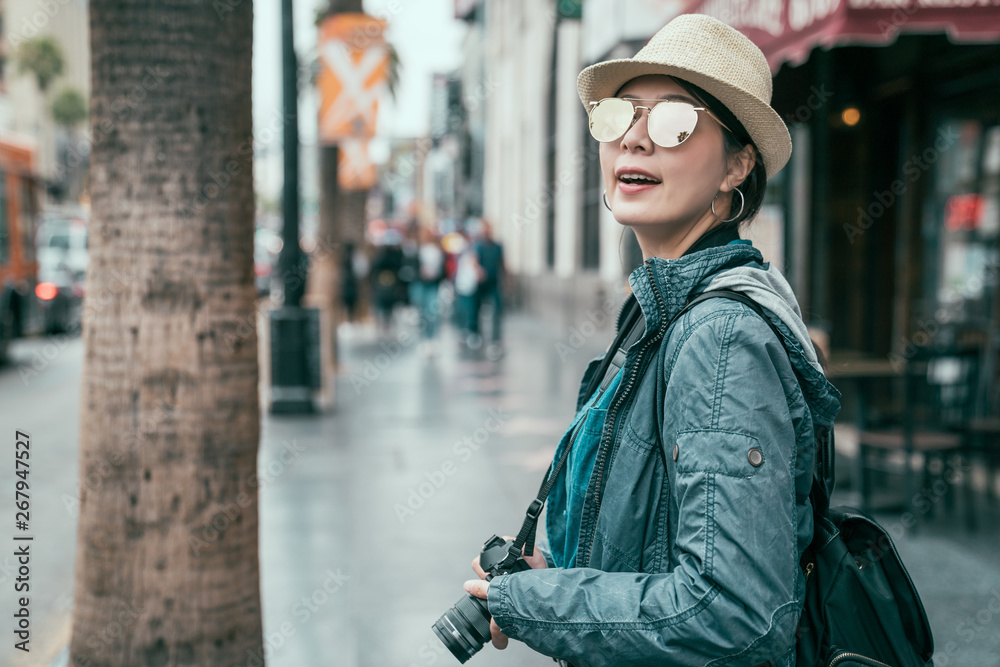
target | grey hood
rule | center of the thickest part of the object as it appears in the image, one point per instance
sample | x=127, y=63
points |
x=765, y=285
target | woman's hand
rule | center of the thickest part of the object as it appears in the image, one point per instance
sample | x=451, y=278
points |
x=479, y=588
x=535, y=561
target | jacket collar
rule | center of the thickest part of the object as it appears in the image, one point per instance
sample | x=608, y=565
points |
x=663, y=286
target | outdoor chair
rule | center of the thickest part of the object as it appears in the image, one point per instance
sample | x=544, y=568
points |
x=935, y=404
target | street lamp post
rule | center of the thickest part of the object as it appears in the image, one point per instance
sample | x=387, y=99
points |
x=294, y=330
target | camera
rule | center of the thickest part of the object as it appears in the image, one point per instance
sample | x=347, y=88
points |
x=465, y=628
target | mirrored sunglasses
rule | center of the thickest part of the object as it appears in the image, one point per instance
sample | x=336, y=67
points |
x=670, y=122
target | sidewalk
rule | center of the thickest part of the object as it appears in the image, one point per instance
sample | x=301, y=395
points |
x=371, y=514
x=370, y=524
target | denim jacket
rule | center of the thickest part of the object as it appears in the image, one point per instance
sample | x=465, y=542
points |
x=697, y=510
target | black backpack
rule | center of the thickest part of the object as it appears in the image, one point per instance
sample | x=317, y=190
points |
x=861, y=607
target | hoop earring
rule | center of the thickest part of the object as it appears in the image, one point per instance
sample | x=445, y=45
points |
x=742, y=203
x=605, y=198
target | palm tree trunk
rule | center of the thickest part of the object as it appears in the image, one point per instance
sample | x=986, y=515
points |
x=167, y=560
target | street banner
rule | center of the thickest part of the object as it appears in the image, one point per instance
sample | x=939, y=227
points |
x=355, y=170
x=354, y=69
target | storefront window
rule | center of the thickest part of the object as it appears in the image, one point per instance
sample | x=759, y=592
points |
x=963, y=224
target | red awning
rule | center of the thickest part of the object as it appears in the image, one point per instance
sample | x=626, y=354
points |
x=787, y=30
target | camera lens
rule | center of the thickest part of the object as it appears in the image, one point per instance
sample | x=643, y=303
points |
x=465, y=627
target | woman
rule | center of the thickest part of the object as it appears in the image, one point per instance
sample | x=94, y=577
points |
x=678, y=522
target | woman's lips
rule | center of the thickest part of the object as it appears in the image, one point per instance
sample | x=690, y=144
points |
x=635, y=188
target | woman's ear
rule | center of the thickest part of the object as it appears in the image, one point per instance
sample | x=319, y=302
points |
x=740, y=166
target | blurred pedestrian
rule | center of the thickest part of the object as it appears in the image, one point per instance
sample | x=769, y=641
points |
x=677, y=529
x=426, y=288
x=385, y=284
x=409, y=269
x=350, y=286
x=489, y=253
x=468, y=275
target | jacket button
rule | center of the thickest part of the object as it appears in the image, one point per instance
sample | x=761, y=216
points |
x=755, y=457
x=676, y=452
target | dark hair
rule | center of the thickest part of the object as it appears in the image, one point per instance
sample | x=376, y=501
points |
x=755, y=184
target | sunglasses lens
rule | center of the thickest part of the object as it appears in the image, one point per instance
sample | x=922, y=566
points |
x=671, y=123
x=611, y=118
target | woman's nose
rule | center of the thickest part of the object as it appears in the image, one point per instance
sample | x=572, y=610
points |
x=637, y=133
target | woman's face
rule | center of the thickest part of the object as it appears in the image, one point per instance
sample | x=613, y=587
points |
x=685, y=178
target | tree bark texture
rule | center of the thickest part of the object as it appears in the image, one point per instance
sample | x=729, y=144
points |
x=167, y=550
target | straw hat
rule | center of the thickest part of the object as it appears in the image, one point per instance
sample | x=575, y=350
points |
x=708, y=53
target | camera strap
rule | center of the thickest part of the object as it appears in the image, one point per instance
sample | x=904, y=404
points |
x=633, y=326
x=632, y=329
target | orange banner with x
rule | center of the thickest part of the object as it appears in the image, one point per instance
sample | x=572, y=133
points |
x=354, y=69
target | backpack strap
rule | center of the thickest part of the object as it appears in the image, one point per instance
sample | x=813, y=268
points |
x=632, y=327
x=824, y=475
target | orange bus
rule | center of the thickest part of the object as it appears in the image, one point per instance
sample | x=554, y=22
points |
x=18, y=266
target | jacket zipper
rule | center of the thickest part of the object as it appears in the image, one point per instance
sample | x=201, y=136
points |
x=613, y=413
x=846, y=656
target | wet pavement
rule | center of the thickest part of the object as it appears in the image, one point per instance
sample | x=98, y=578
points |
x=422, y=460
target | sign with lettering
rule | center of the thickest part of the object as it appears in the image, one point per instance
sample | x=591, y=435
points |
x=787, y=30
x=963, y=212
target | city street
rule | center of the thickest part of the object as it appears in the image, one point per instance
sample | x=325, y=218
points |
x=371, y=514
x=250, y=200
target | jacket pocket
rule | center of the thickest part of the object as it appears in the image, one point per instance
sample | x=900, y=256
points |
x=718, y=452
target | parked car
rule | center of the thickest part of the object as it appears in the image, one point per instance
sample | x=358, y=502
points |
x=61, y=251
